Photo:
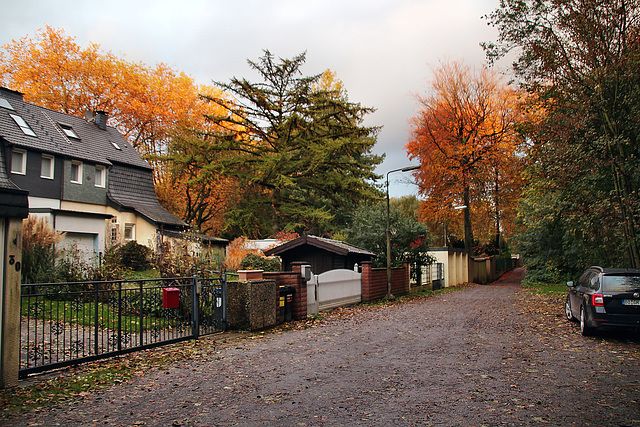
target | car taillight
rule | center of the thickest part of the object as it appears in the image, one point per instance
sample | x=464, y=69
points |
x=597, y=300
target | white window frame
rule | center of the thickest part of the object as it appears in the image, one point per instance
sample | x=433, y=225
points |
x=5, y=104
x=24, y=126
x=68, y=130
x=51, y=160
x=76, y=179
x=101, y=176
x=129, y=229
x=21, y=168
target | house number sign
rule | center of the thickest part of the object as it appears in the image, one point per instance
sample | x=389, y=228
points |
x=12, y=261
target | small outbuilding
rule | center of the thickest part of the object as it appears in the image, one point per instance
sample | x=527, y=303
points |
x=321, y=253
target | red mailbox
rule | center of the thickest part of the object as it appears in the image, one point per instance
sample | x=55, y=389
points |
x=170, y=298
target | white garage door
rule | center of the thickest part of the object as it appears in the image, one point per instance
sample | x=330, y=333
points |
x=85, y=243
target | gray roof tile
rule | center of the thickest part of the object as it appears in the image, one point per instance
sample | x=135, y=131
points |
x=95, y=145
x=133, y=188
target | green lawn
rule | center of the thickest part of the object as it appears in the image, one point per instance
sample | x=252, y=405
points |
x=81, y=312
x=547, y=289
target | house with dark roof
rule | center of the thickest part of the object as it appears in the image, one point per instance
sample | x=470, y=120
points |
x=321, y=253
x=82, y=175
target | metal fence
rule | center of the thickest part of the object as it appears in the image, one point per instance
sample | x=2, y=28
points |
x=69, y=323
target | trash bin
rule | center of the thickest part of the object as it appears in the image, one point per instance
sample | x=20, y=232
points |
x=285, y=303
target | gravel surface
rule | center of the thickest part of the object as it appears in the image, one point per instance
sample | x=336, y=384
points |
x=472, y=357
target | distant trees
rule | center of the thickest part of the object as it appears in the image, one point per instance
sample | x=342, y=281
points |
x=410, y=238
x=295, y=145
x=580, y=62
x=465, y=136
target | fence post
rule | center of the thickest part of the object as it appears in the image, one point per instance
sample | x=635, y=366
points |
x=195, y=307
x=96, y=319
x=224, y=301
x=141, y=316
x=120, y=316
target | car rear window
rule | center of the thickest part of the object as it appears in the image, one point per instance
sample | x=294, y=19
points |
x=621, y=283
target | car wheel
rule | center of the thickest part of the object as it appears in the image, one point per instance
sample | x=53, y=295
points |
x=567, y=310
x=584, y=328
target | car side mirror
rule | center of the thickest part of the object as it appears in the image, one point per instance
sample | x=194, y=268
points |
x=570, y=284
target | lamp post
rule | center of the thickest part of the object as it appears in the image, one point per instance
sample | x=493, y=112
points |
x=405, y=169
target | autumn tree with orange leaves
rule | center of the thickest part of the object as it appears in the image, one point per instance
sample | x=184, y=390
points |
x=150, y=106
x=465, y=137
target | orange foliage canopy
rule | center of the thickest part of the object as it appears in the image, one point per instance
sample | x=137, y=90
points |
x=150, y=106
x=147, y=104
x=464, y=136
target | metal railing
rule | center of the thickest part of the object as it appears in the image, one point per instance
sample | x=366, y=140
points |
x=69, y=323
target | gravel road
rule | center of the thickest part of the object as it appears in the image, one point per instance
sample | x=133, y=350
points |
x=472, y=357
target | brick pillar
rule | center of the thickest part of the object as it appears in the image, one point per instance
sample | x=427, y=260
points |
x=293, y=279
x=300, y=297
x=366, y=281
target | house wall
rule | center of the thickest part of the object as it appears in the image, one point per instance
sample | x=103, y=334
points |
x=320, y=260
x=86, y=191
x=40, y=202
x=81, y=229
x=456, y=265
x=145, y=232
x=37, y=186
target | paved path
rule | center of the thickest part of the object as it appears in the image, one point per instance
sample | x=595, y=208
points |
x=466, y=358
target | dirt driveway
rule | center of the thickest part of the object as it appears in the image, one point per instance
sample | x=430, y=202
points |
x=468, y=358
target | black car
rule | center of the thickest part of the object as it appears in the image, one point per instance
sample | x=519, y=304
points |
x=605, y=298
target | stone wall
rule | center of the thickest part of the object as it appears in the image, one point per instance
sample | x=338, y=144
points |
x=250, y=305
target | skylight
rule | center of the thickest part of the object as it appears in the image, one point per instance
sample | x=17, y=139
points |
x=5, y=104
x=23, y=125
x=115, y=145
x=68, y=130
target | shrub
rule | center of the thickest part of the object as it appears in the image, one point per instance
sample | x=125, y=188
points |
x=134, y=256
x=177, y=259
x=38, y=250
x=257, y=262
x=237, y=251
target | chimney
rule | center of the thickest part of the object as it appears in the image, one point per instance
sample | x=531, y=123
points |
x=101, y=119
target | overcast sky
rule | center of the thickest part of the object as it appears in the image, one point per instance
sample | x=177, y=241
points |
x=382, y=50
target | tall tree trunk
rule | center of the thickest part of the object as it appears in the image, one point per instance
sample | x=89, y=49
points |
x=497, y=206
x=468, y=231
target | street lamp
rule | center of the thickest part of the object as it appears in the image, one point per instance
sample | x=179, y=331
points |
x=405, y=169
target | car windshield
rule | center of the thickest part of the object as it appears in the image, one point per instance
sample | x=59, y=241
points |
x=621, y=283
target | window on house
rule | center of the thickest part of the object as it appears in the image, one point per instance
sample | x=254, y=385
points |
x=76, y=172
x=5, y=104
x=46, y=167
x=18, y=161
x=101, y=174
x=23, y=125
x=129, y=232
x=68, y=130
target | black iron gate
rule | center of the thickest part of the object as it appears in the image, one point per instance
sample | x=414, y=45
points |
x=70, y=323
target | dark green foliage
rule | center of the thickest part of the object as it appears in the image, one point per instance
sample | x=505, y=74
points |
x=299, y=153
x=410, y=239
x=134, y=256
x=257, y=262
x=580, y=60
